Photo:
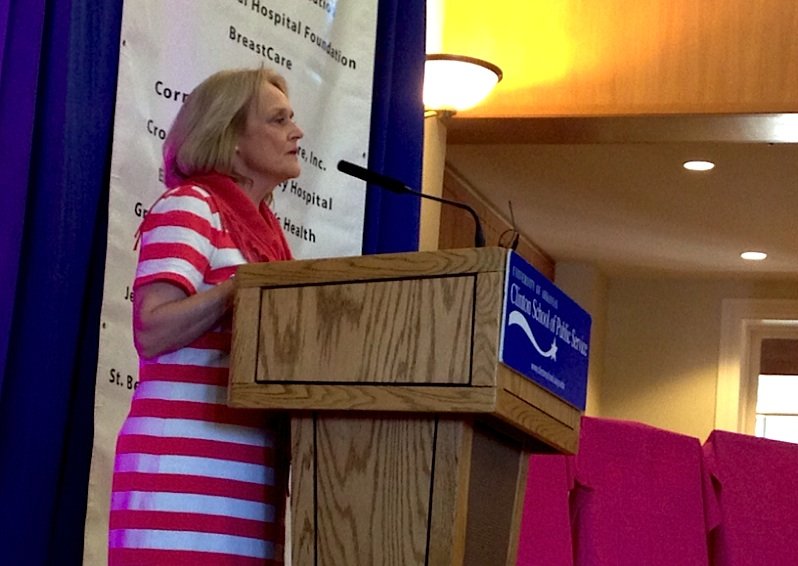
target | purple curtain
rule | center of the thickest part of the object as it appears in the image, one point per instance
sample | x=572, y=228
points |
x=20, y=50
x=397, y=126
x=57, y=89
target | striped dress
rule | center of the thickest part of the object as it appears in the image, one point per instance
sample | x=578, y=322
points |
x=194, y=481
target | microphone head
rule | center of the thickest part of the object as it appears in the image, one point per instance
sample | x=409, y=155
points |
x=364, y=174
x=353, y=170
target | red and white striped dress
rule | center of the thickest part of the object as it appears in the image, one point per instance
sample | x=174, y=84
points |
x=194, y=481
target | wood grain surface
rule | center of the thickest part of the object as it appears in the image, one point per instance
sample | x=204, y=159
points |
x=487, y=323
x=405, y=331
x=373, y=481
x=449, y=507
x=246, y=326
x=391, y=398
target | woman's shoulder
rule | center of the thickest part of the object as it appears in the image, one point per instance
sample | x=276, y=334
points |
x=185, y=206
x=187, y=190
x=186, y=197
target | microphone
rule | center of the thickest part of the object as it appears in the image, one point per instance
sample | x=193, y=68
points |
x=397, y=186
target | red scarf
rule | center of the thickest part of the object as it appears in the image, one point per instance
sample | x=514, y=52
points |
x=255, y=230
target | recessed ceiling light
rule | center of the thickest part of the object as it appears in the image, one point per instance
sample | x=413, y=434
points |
x=698, y=165
x=753, y=256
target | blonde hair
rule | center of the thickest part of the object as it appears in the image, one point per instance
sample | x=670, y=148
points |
x=203, y=136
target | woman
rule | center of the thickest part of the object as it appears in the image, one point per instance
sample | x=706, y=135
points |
x=194, y=480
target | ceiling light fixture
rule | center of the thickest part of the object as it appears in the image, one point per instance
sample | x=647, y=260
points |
x=456, y=82
x=753, y=256
x=698, y=165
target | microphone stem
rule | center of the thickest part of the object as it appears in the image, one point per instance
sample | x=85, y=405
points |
x=395, y=185
x=479, y=236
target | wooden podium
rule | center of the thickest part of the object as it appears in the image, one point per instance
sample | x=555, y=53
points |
x=409, y=440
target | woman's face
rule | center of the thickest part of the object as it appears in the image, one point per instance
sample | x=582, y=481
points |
x=266, y=151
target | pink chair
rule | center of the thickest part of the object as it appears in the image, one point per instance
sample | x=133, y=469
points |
x=639, y=497
x=545, y=525
x=756, y=484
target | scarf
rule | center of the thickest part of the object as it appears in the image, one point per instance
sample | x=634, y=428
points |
x=254, y=229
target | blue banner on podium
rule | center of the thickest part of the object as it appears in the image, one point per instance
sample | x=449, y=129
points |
x=545, y=335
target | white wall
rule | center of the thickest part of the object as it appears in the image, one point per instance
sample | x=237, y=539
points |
x=662, y=344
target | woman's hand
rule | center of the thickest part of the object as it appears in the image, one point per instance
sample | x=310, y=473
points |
x=165, y=318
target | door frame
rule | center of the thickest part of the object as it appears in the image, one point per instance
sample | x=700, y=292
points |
x=744, y=322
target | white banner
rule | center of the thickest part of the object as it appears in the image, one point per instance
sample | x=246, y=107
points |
x=325, y=50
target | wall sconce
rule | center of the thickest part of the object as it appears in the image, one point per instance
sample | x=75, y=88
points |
x=456, y=82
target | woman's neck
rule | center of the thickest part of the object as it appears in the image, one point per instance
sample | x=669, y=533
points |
x=256, y=190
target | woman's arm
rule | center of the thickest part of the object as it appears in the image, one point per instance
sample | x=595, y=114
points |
x=165, y=318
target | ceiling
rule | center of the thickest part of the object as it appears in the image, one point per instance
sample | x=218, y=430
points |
x=591, y=156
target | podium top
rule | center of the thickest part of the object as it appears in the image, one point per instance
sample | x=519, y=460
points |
x=372, y=267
